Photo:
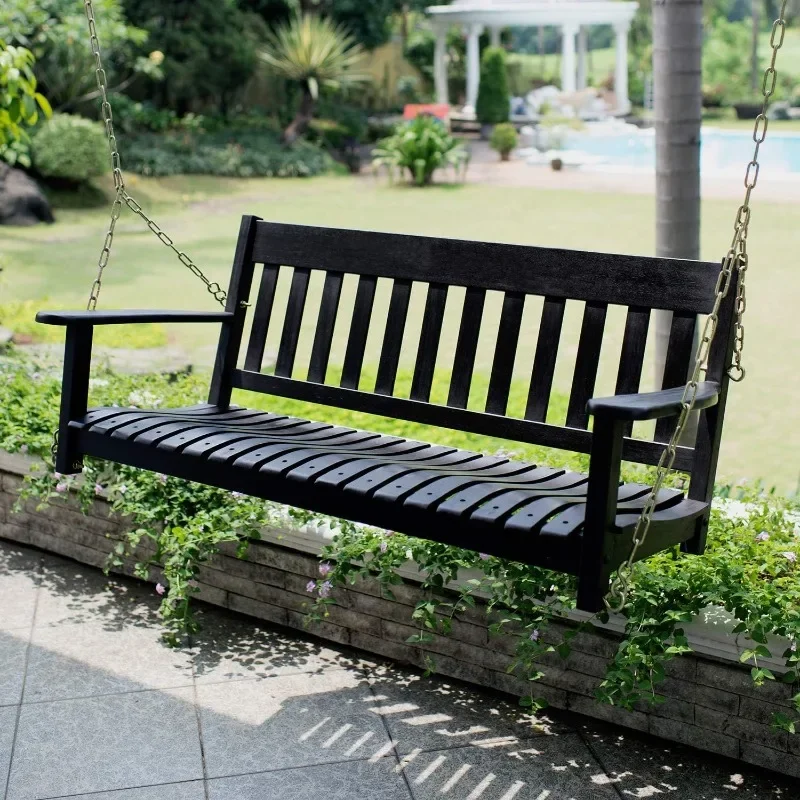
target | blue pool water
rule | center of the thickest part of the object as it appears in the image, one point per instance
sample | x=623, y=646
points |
x=721, y=151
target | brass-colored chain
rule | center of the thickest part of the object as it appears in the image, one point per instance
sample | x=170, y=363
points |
x=736, y=258
x=122, y=195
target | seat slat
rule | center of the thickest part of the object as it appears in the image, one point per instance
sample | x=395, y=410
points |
x=292, y=322
x=544, y=362
x=676, y=368
x=429, y=342
x=505, y=353
x=359, y=329
x=393, y=337
x=326, y=322
x=466, y=347
x=254, y=357
x=586, y=364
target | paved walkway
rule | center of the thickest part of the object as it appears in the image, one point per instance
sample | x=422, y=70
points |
x=94, y=707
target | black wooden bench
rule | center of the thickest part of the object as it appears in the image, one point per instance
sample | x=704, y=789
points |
x=579, y=524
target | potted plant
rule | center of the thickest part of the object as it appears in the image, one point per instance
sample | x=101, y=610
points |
x=494, y=100
x=504, y=139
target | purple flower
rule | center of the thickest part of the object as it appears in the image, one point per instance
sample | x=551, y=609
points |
x=237, y=495
x=61, y=487
x=384, y=546
x=762, y=537
x=534, y=637
x=123, y=489
x=793, y=647
x=162, y=477
x=484, y=556
x=324, y=568
x=325, y=589
x=98, y=489
x=790, y=555
x=311, y=587
x=160, y=588
x=23, y=449
x=390, y=533
x=58, y=476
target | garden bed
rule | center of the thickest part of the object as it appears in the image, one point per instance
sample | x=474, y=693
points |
x=711, y=701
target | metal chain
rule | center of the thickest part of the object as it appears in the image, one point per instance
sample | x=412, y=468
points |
x=736, y=258
x=122, y=195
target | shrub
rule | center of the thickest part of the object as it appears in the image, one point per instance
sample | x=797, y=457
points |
x=504, y=139
x=421, y=147
x=70, y=148
x=493, y=97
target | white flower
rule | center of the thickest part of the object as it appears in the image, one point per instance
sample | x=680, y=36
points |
x=790, y=555
x=734, y=510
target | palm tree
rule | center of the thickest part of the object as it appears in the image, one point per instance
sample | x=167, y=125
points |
x=677, y=85
x=312, y=52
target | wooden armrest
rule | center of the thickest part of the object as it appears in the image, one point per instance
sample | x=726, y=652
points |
x=122, y=317
x=652, y=405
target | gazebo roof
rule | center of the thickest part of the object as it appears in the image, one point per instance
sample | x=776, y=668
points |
x=535, y=12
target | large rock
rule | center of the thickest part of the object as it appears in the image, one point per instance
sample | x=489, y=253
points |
x=21, y=200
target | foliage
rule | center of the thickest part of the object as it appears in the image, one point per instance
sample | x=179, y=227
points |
x=19, y=318
x=70, y=148
x=20, y=103
x=56, y=31
x=504, y=138
x=233, y=153
x=420, y=147
x=493, y=104
x=726, y=61
x=419, y=50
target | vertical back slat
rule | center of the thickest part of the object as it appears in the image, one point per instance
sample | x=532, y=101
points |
x=429, y=342
x=676, y=368
x=505, y=353
x=466, y=347
x=544, y=362
x=291, y=323
x=393, y=337
x=631, y=361
x=586, y=364
x=359, y=329
x=261, y=317
x=323, y=336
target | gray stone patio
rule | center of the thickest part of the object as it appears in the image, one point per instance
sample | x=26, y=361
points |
x=93, y=705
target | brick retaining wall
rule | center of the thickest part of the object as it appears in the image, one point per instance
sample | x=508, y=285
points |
x=711, y=704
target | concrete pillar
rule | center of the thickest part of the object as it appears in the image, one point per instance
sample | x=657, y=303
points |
x=568, y=33
x=621, y=70
x=494, y=34
x=473, y=66
x=583, y=47
x=440, y=65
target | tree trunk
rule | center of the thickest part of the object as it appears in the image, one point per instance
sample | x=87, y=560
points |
x=755, y=77
x=299, y=125
x=677, y=86
x=540, y=48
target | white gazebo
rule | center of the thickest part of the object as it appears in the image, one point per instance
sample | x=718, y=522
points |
x=573, y=17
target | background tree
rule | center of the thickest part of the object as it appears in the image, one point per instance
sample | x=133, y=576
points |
x=493, y=103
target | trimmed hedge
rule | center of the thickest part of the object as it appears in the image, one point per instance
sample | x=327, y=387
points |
x=494, y=101
x=70, y=148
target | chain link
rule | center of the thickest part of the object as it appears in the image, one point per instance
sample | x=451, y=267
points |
x=736, y=258
x=122, y=195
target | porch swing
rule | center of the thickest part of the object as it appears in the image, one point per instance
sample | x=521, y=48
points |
x=589, y=525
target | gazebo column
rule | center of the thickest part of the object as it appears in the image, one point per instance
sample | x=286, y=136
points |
x=440, y=65
x=473, y=66
x=568, y=32
x=583, y=46
x=621, y=71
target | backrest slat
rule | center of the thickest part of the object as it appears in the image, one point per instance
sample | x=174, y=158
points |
x=466, y=347
x=359, y=329
x=634, y=344
x=586, y=364
x=291, y=323
x=263, y=312
x=393, y=337
x=505, y=353
x=544, y=362
x=429, y=342
x=676, y=368
x=326, y=321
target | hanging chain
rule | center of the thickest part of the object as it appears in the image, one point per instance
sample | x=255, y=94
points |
x=122, y=195
x=735, y=259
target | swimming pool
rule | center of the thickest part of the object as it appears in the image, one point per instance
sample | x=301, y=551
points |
x=721, y=151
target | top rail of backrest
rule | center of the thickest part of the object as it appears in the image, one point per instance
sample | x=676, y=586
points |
x=664, y=283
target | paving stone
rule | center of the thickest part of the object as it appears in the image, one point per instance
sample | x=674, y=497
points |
x=546, y=767
x=18, y=586
x=346, y=781
x=190, y=790
x=288, y=721
x=13, y=646
x=8, y=718
x=85, y=659
x=99, y=744
x=434, y=714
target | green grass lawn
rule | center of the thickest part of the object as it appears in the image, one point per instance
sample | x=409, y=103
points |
x=762, y=439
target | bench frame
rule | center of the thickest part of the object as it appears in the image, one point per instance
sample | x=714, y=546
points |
x=641, y=283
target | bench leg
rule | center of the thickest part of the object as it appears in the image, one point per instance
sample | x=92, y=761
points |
x=74, y=396
x=597, y=550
